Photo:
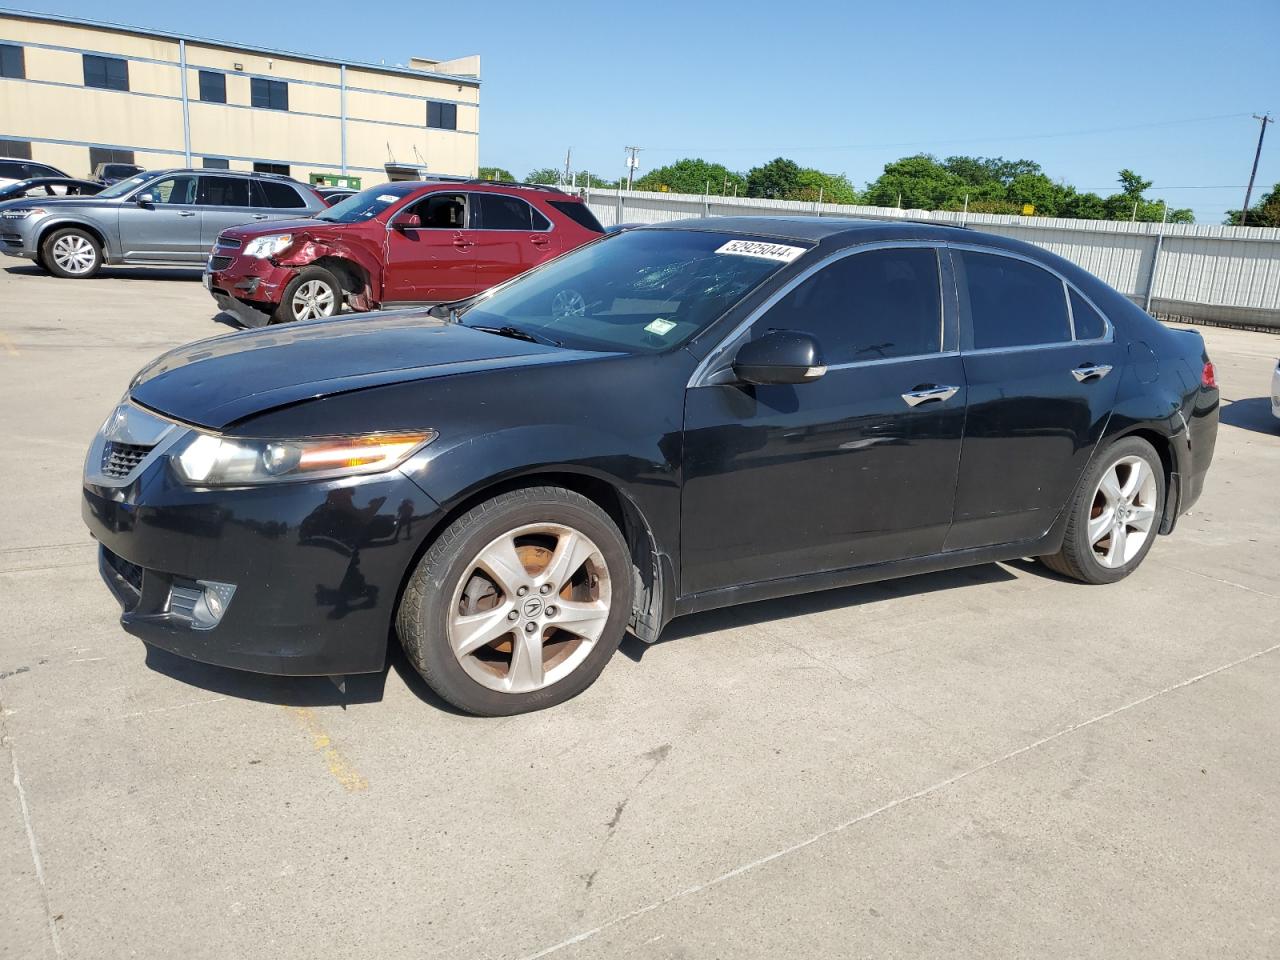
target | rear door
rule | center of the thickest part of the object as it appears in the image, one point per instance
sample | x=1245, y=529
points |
x=434, y=261
x=167, y=228
x=1043, y=368
x=225, y=202
x=512, y=237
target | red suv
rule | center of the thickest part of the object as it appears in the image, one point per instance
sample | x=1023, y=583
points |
x=394, y=244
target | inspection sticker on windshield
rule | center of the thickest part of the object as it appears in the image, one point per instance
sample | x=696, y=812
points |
x=765, y=251
x=388, y=197
x=660, y=327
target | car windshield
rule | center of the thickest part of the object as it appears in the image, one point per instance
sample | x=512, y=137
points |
x=367, y=204
x=643, y=291
x=120, y=188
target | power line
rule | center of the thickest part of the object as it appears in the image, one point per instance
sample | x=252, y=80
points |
x=986, y=139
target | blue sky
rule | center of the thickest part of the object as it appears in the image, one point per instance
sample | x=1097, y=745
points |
x=843, y=86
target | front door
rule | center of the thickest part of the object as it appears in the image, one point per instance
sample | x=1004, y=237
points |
x=168, y=227
x=1043, y=369
x=433, y=262
x=512, y=238
x=858, y=467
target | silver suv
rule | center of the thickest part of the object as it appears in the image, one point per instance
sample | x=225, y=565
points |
x=162, y=218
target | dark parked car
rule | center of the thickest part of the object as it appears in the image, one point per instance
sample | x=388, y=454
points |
x=11, y=171
x=109, y=173
x=334, y=195
x=669, y=420
x=45, y=188
x=394, y=244
x=162, y=218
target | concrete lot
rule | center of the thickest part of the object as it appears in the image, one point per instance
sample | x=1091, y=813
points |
x=987, y=763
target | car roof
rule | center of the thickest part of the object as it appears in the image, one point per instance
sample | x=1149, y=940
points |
x=817, y=229
x=213, y=171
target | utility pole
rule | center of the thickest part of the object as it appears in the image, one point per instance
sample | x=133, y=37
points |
x=1248, y=193
x=632, y=162
x=568, y=155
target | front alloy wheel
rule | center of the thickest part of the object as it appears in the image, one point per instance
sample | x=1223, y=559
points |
x=72, y=254
x=312, y=300
x=519, y=603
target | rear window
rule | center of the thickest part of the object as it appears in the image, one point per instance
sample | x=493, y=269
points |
x=1013, y=303
x=579, y=213
x=500, y=212
x=281, y=196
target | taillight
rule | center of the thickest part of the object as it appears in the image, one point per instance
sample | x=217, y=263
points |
x=1207, y=376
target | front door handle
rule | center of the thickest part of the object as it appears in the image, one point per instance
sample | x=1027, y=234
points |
x=926, y=394
x=539, y=241
x=186, y=213
x=260, y=216
x=1091, y=371
x=461, y=242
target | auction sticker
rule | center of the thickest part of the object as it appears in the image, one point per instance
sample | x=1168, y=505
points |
x=660, y=327
x=765, y=251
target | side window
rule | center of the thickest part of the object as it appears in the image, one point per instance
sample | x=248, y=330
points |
x=173, y=190
x=107, y=73
x=868, y=306
x=1013, y=303
x=268, y=94
x=278, y=196
x=213, y=87
x=1088, y=322
x=442, y=116
x=12, y=62
x=539, y=221
x=499, y=212
x=444, y=211
x=224, y=191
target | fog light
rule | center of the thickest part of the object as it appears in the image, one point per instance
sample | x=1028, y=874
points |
x=204, y=605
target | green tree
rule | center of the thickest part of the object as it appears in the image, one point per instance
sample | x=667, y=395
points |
x=1130, y=204
x=775, y=180
x=1082, y=206
x=692, y=175
x=497, y=173
x=921, y=183
x=1265, y=214
x=549, y=175
x=830, y=187
x=583, y=177
x=979, y=171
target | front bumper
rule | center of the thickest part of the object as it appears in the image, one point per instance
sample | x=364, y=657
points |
x=316, y=566
x=18, y=238
x=246, y=287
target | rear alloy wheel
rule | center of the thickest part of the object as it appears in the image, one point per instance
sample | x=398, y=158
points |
x=520, y=603
x=312, y=295
x=1115, y=515
x=70, y=253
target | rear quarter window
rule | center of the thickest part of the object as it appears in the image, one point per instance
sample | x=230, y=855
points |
x=1013, y=303
x=579, y=213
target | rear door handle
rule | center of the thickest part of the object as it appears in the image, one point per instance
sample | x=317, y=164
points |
x=186, y=213
x=1091, y=371
x=260, y=216
x=930, y=393
x=539, y=241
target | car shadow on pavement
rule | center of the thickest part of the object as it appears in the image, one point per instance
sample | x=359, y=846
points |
x=765, y=611
x=120, y=273
x=1252, y=413
x=296, y=691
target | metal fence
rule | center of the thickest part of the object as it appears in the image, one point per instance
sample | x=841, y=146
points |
x=1191, y=271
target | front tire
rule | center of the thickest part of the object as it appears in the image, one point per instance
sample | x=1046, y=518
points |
x=71, y=253
x=520, y=602
x=313, y=294
x=1115, y=514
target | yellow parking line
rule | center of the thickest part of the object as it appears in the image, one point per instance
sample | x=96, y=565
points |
x=342, y=771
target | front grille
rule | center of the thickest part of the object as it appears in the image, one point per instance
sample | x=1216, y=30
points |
x=120, y=459
x=229, y=243
x=219, y=263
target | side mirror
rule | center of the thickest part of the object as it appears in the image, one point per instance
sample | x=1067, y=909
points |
x=407, y=221
x=145, y=199
x=780, y=356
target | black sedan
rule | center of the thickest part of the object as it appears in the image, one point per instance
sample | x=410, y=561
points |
x=667, y=420
x=44, y=188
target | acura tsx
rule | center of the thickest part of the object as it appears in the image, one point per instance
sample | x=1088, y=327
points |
x=667, y=420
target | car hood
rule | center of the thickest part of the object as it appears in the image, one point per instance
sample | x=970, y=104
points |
x=62, y=202
x=215, y=383
x=261, y=229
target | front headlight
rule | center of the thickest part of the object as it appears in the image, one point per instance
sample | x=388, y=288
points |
x=207, y=460
x=21, y=213
x=263, y=247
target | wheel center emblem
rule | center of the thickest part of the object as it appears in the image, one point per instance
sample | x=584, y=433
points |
x=532, y=607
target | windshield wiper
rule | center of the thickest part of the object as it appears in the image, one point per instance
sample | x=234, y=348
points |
x=515, y=333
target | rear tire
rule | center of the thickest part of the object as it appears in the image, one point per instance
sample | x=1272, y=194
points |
x=71, y=253
x=519, y=603
x=1114, y=515
x=313, y=294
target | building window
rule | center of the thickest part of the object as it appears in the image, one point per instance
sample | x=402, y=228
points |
x=107, y=73
x=99, y=155
x=442, y=116
x=12, y=63
x=271, y=94
x=215, y=163
x=15, y=149
x=280, y=168
x=213, y=87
